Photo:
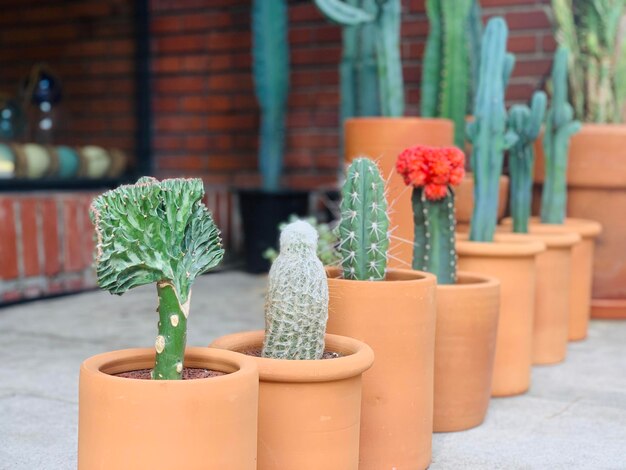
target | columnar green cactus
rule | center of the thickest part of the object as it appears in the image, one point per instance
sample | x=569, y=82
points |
x=157, y=232
x=432, y=171
x=488, y=131
x=270, y=64
x=526, y=123
x=364, y=225
x=446, y=67
x=589, y=29
x=384, y=16
x=474, y=41
x=296, y=308
x=560, y=127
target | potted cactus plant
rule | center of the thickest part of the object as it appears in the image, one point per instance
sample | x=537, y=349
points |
x=372, y=103
x=160, y=232
x=396, y=420
x=512, y=262
x=467, y=303
x=596, y=169
x=309, y=404
x=270, y=66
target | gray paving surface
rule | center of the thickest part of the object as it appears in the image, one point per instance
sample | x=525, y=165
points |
x=573, y=417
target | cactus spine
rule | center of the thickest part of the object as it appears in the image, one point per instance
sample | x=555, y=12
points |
x=446, y=68
x=157, y=232
x=364, y=225
x=270, y=65
x=296, y=307
x=589, y=29
x=488, y=130
x=560, y=126
x=384, y=18
x=526, y=123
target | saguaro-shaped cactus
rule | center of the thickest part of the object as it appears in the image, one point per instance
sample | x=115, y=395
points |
x=560, y=126
x=526, y=123
x=488, y=131
x=446, y=68
x=384, y=15
x=589, y=30
x=157, y=232
x=270, y=64
x=432, y=171
x=296, y=308
x=364, y=225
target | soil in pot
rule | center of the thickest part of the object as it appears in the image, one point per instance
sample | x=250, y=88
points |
x=465, y=343
x=396, y=317
x=514, y=264
x=188, y=374
x=309, y=411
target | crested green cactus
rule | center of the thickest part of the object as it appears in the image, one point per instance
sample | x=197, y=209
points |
x=270, y=65
x=560, y=126
x=380, y=20
x=526, y=123
x=296, y=308
x=446, y=69
x=432, y=171
x=157, y=232
x=589, y=30
x=488, y=131
x=364, y=225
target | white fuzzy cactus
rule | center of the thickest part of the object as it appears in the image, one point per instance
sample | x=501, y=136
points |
x=296, y=308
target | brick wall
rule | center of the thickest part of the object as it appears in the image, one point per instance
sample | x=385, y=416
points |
x=204, y=109
x=90, y=45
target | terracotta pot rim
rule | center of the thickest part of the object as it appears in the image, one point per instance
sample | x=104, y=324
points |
x=333, y=273
x=586, y=228
x=602, y=129
x=391, y=120
x=101, y=366
x=357, y=358
x=470, y=175
x=472, y=281
x=512, y=248
x=552, y=238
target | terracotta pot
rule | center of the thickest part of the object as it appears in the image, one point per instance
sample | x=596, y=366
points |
x=580, y=272
x=167, y=424
x=596, y=179
x=465, y=344
x=552, y=307
x=514, y=264
x=383, y=139
x=396, y=317
x=464, y=201
x=309, y=411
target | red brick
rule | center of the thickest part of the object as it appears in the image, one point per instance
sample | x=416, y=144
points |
x=88, y=231
x=50, y=233
x=30, y=248
x=72, y=249
x=527, y=20
x=179, y=84
x=8, y=246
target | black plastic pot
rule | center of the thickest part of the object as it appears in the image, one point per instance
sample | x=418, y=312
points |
x=261, y=213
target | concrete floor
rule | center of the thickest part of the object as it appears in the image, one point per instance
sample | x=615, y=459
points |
x=574, y=417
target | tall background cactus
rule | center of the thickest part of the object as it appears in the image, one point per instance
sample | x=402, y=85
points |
x=589, y=29
x=450, y=61
x=560, y=126
x=526, y=123
x=378, y=19
x=157, y=232
x=364, y=225
x=488, y=131
x=270, y=64
x=296, y=307
x=432, y=171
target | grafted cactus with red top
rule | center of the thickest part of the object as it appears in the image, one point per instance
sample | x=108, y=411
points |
x=432, y=171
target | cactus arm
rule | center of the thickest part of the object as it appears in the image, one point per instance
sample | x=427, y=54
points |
x=343, y=13
x=391, y=84
x=431, y=66
x=271, y=79
x=296, y=307
x=368, y=94
x=509, y=65
x=364, y=224
x=434, y=225
x=474, y=39
x=157, y=232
